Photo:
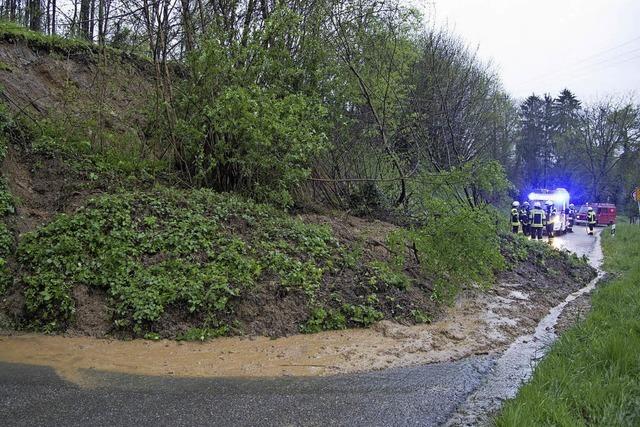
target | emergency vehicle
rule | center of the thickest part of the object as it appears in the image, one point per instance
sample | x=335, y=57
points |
x=605, y=213
x=560, y=198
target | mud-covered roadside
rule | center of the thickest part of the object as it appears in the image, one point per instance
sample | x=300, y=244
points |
x=578, y=309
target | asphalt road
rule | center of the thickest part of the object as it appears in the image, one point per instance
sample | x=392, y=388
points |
x=425, y=395
x=580, y=243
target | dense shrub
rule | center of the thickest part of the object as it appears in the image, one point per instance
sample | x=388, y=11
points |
x=457, y=247
x=242, y=124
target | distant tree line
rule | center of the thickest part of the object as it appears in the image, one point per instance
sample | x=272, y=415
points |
x=592, y=150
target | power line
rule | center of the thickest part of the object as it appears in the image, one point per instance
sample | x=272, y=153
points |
x=606, y=62
x=571, y=69
x=586, y=59
x=619, y=62
x=602, y=52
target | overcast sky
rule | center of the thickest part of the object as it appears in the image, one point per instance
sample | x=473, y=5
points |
x=590, y=46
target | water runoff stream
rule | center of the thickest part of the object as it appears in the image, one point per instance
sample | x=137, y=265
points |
x=515, y=366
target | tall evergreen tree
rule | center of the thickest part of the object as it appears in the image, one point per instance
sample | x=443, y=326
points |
x=565, y=139
x=546, y=143
x=529, y=147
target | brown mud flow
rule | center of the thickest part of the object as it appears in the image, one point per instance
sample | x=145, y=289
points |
x=481, y=322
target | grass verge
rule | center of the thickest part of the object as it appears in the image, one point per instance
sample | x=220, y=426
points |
x=592, y=374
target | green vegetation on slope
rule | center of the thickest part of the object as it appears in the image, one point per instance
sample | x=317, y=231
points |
x=115, y=162
x=6, y=244
x=10, y=31
x=201, y=255
x=195, y=249
x=194, y=264
x=6, y=208
x=592, y=374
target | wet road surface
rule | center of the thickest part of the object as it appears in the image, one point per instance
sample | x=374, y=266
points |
x=424, y=395
x=580, y=243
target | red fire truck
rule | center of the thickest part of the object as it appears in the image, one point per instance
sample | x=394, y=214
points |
x=605, y=213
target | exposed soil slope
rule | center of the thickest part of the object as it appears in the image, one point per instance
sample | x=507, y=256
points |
x=42, y=186
x=38, y=83
x=75, y=87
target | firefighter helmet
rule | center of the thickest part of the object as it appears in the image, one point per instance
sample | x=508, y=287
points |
x=515, y=204
x=526, y=204
x=590, y=209
x=536, y=205
x=548, y=203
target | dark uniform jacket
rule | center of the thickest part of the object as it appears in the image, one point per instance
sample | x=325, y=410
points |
x=515, y=219
x=537, y=217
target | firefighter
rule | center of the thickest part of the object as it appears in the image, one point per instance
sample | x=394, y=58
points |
x=591, y=221
x=551, y=220
x=548, y=207
x=571, y=217
x=524, y=219
x=537, y=219
x=515, y=217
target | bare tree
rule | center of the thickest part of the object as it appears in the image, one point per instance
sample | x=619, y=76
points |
x=606, y=129
x=456, y=103
x=368, y=35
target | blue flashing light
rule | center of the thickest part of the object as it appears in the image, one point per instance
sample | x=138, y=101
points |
x=559, y=195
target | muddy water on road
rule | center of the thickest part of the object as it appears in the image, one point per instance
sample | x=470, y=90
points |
x=516, y=364
x=479, y=323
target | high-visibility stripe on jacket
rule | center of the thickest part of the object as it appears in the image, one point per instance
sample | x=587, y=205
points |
x=591, y=217
x=515, y=218
x=524, y=216
x=537, y=217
